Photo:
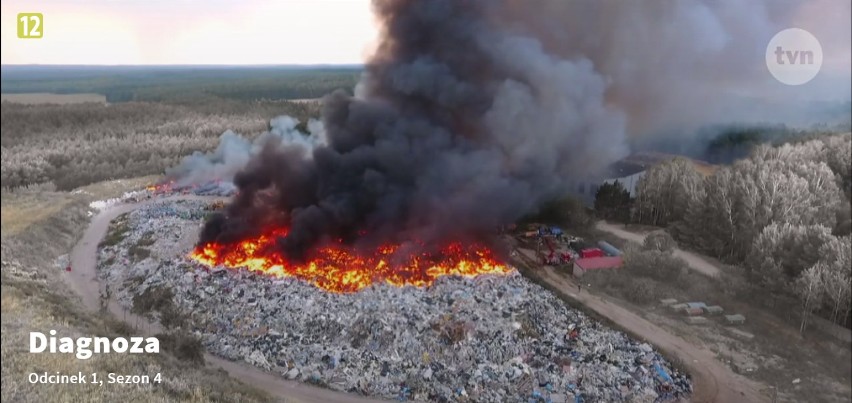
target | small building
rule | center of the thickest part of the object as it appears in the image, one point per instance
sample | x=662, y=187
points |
x=689, y=311
x=591, y=253
x=583, y=265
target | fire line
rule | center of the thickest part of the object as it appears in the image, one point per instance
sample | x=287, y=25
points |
x=339, y=268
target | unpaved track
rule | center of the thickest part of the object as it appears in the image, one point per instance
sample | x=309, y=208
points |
x=713, y=382
x=83, y=280
x=694, y=261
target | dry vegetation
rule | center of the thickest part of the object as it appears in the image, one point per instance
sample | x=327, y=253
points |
x=77, y=144
x=776, y=355
x=50, y=149
x=34, y=298
x=781, y=216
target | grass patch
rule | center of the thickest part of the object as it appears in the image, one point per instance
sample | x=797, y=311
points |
x=138, y=253
x=147, y=239
x=18, y=215
x=157, y=298
x=34, y=298
x=184, y=346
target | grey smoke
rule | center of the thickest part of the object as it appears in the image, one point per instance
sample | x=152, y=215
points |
x=234, y=152
x=459, y=125
x=471, y=113
x=679, y=65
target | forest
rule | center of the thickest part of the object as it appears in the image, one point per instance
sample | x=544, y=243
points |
x=69, y=146
x=186, y=84
x=782, y=215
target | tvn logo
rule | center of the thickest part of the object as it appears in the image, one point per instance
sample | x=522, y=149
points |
x=30, y=25
x=794, y=56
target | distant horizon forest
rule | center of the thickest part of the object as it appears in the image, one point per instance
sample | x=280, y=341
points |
x=182, y=83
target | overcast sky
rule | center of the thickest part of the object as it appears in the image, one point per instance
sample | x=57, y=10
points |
x=191, y=32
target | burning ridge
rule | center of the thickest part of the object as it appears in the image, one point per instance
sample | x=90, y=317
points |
x=340, y=268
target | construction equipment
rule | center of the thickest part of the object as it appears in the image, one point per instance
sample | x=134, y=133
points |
x=554, y=257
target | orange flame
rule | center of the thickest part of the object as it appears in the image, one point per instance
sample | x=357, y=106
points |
x=161, y=187
x=340, y=269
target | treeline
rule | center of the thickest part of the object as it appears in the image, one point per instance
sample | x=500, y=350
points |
x=782, y=214
x=78, y=144
x=181, y=83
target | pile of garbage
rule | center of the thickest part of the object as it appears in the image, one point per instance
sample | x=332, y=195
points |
x=494, y=338
x=127, y=197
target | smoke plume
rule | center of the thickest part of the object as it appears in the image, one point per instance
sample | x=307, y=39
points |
x=234, y=152
x=472, y=112
x=677, y=66
x=459, y=125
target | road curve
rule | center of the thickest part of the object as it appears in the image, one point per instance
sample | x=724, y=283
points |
x=713, y=382
x=694, y=261
x=84, y=281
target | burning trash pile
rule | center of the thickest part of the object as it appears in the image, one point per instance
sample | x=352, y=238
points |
x=459, y=125
x=493, y=337
x=339, y=268
x=209, y=188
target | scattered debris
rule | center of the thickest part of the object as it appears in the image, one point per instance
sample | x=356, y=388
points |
x=735, y=319
x=678, y=307
x=714, y=310
x=489, y=338
x=668, y=301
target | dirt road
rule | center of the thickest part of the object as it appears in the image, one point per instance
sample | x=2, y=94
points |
x=694, y=261
x=712, y=380
x=83, y=280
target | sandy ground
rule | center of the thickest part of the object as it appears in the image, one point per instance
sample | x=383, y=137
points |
x=83, y=280
x=694, y=261
x=712, y=380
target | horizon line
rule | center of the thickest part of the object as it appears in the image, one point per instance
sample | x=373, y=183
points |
x=182, y=65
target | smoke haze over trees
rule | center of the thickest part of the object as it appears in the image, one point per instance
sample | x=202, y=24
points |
x=75, y=145
x=783, y=211
x=459, y=125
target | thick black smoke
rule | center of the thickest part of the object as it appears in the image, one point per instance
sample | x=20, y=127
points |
x=458, y=126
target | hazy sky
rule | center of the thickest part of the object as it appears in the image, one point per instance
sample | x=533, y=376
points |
x=191, y=32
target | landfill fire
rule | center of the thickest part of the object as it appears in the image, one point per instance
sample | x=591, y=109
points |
x=339, y=268
x=459, y=125
x=161, y=188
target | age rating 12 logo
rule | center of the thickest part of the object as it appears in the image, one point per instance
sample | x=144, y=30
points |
x=30, y=25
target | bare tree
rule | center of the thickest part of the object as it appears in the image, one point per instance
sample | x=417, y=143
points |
x=809, y=287
x=783, y=251
x=666, y=190
x=837, y=276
